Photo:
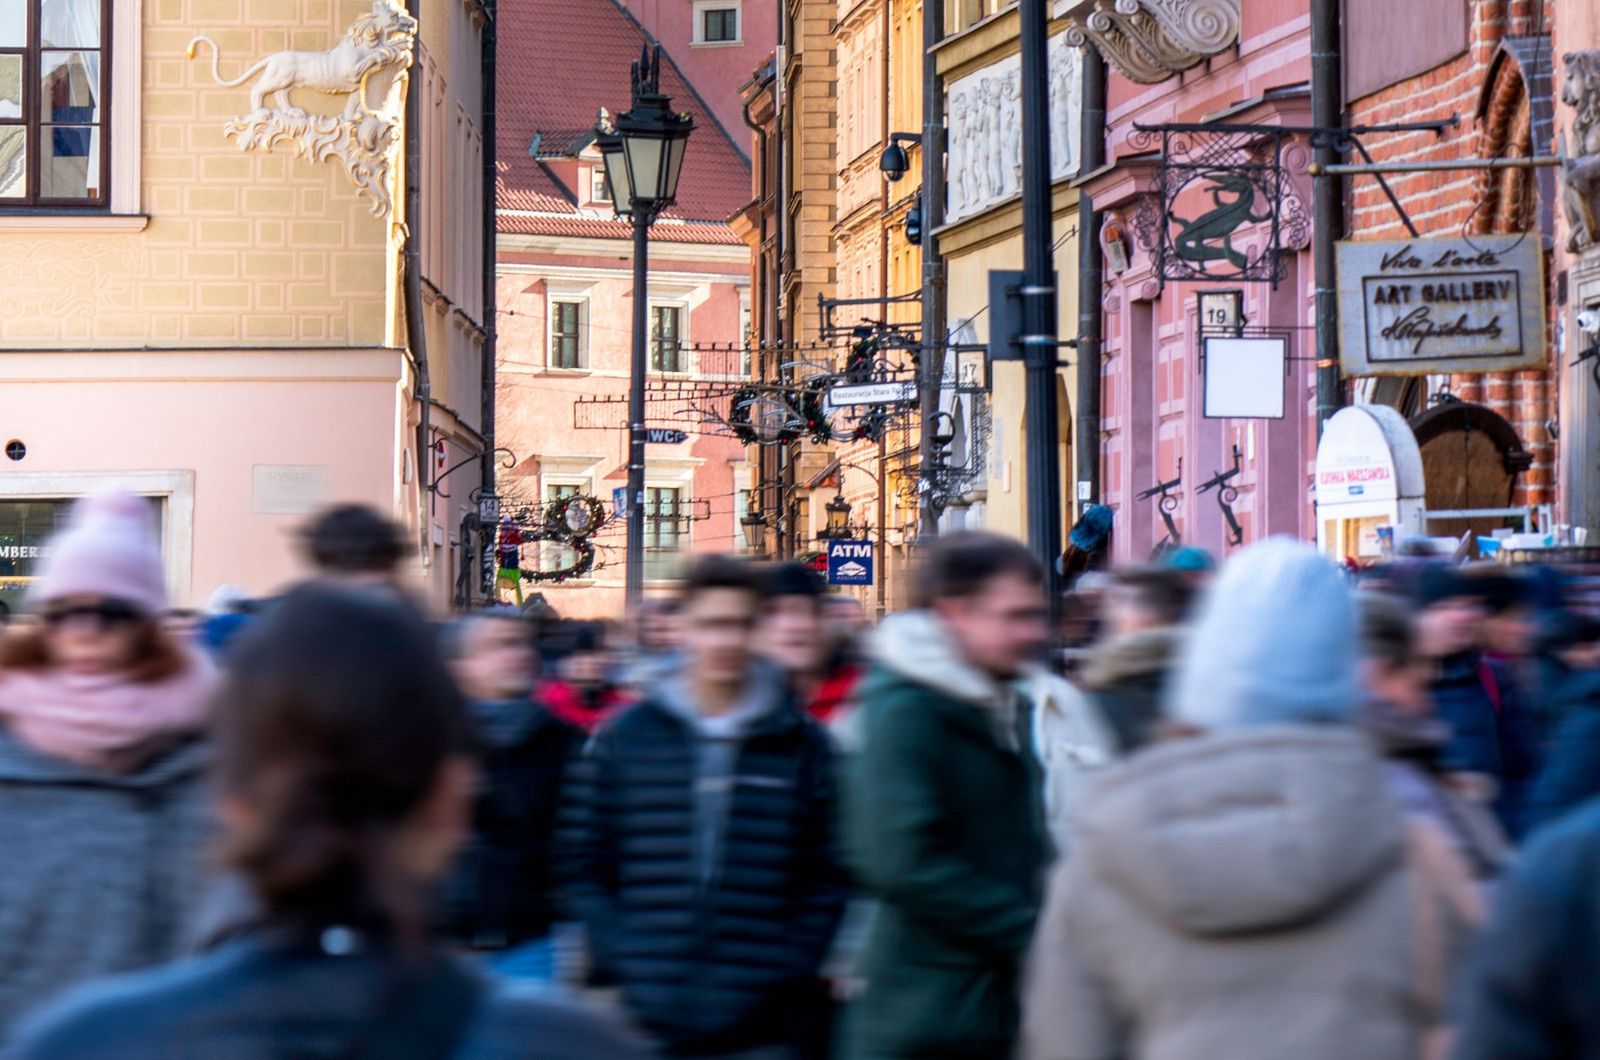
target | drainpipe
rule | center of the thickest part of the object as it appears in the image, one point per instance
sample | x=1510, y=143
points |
x=491, y=44
x=1327, y=214
x=933, y=290
x=1091, y=272
x=416, y=330
x=766, y=461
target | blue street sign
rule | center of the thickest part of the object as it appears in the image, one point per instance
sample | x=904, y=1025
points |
x=849, y=562
x=619, y=500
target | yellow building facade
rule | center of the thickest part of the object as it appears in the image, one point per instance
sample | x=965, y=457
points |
x=206, y=301
x=979, y=67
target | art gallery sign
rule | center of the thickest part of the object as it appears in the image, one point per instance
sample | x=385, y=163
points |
x=1418, y=306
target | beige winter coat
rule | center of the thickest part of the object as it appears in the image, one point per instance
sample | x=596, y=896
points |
x=1239, y=896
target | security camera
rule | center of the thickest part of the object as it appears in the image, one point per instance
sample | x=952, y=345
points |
x=1589, y=321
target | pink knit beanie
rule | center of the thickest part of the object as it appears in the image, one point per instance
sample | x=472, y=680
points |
x=109, y=549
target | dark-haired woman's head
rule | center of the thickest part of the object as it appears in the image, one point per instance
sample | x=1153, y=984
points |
x=342, y=761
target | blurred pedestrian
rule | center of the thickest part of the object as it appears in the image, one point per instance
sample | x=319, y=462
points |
x=1571, y=776
x=500, y=898
x=1244, y=891
x=102, y=715
x=356, y=547
x=1126, y=673
x=1530, y=991
x=1476, y=696
x=701, y=860
x=345, y=790
x=581, y=689
x=1398, y=714
x=944, y=816
x=793, y=635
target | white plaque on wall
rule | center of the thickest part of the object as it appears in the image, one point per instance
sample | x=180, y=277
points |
x=290, y=489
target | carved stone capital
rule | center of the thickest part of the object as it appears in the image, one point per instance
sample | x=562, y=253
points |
x=1148, y=41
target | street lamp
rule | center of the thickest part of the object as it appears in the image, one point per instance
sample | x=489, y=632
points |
x=838, y=527
x=642, y=150
x=754, y=525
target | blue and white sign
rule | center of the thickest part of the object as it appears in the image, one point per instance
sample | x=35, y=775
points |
x=619, y=501
x=849, y=562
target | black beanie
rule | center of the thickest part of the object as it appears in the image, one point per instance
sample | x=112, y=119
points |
x=794, y=579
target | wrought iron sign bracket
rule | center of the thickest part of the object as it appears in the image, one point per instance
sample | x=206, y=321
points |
x=1168, y=503
x=1232, y=178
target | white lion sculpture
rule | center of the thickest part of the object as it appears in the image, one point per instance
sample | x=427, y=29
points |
x=381, y=39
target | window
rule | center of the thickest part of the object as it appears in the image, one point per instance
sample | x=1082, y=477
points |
x=53, y=105
x=719, y=25
x=566, y=334
x=717, y=22
x=663, y=531
x=556, y=555
x=599, y=187
x=666, y=338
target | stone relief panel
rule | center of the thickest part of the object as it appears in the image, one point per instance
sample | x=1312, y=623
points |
x=367, y=67
x=984, y=108
x=1580, y=173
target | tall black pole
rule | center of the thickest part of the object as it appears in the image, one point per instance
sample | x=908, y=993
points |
x=636, y=425
x=1038, y=340
x=1091, y=270
x=933, y=289
x=1327, y=216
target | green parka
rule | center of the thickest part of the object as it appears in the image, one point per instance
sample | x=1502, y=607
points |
x=943, y=825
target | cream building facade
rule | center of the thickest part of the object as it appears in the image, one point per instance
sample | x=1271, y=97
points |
x=205, y=299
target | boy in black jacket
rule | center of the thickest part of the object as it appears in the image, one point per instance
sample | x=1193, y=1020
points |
x=699, y=842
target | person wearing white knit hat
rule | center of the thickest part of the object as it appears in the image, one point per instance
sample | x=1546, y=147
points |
x=1247, y=888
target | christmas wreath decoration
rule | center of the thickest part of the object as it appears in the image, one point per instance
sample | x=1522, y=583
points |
x=574, y=517
x=806, y=402
x=583, y=554
x=569, y=522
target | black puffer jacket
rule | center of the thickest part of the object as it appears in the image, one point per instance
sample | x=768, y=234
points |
x=713, y=916
x=500, y=893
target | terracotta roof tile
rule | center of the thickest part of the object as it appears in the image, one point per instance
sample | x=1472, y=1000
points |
x=559, y=62
x=553, y=224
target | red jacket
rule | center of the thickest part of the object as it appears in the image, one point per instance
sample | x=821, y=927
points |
x=568, y=702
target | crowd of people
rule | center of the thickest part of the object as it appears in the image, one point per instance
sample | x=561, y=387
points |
x=1271, y=810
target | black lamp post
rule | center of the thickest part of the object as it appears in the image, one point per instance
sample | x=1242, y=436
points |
x=643, y=154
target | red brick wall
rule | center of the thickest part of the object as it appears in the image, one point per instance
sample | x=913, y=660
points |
x=1458, y=201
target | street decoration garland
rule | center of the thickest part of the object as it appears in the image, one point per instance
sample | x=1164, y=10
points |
x=570, y=522
x=810, y=418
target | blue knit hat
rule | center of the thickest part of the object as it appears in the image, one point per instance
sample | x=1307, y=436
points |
x=1275, y=643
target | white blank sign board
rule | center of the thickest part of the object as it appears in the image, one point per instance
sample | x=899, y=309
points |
x=1244, y=378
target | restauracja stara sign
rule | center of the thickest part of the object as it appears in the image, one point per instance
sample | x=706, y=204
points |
x=1447, y=305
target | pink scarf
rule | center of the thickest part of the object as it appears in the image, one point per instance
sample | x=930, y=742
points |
x=104, y=721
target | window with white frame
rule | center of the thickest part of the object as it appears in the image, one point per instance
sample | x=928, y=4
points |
x=717, y=22
x=666, y=533
x=566, y=333
x=666, y=338
x=599, y=187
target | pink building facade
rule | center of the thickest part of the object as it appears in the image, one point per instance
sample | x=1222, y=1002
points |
x=565, y=299
x=716, y=43
x=1153, y=427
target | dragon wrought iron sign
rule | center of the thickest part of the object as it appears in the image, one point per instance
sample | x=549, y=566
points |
x=1224, y=208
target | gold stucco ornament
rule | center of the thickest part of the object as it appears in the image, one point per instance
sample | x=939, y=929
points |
x=368, y=67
